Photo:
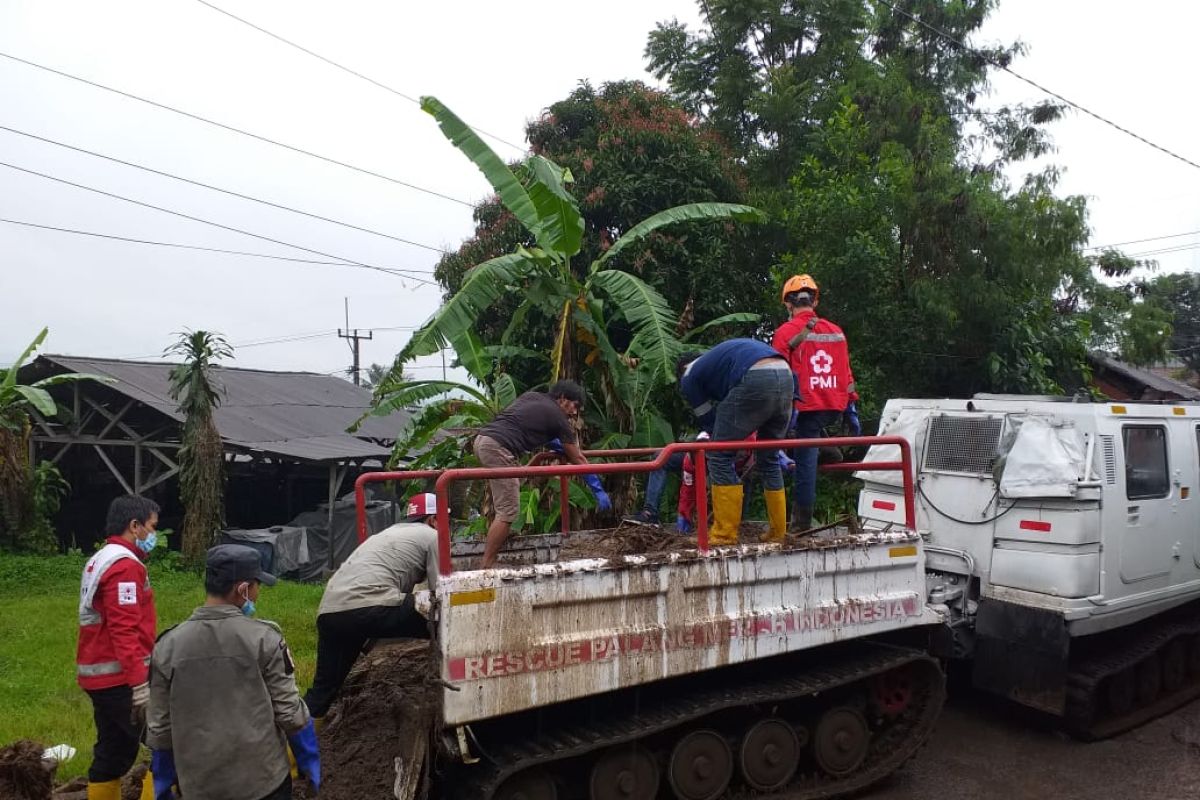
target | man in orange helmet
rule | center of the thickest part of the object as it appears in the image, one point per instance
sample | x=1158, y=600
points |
x=818, y=354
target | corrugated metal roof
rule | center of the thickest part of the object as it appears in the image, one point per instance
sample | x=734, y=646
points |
x=299, y=415
x=1145, y=377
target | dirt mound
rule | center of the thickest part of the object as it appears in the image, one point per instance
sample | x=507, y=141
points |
x=633, y=539
x=23, y=774
x=390, y=701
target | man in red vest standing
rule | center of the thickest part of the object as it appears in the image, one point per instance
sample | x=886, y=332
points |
x=116, y=636
x=818, y=354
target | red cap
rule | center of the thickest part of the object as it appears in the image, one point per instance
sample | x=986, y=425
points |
x=422, y=505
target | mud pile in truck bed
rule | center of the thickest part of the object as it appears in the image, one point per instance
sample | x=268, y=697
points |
x=657, y=543
x=23, y=774
x=390, y=698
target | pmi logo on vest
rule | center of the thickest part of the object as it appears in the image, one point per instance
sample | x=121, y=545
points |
x=822, y=367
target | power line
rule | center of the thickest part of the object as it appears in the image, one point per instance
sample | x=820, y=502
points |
x=347, y=262
x=219, y=189
x=344, y=68
x=231, y=128
x=1140, y=241
x=1036, y=85
x=178, y=245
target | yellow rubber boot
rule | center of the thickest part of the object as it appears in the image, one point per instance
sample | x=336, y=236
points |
x=147, y=787
x=109, y=790
x=777, y=512
x=292, y=768
x=727, y=514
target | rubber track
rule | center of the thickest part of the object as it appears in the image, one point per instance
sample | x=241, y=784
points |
x=1084, y=682
x=889, y=751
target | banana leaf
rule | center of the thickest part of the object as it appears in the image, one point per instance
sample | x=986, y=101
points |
x=673, y=216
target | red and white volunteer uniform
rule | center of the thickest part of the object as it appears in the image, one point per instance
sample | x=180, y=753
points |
x=818, y=354
x=116, y=618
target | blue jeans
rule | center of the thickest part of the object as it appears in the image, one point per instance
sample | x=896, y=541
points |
x=809, y=425
x=658, y=481
x=762, y=404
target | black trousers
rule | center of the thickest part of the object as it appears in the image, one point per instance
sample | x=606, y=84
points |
x=117, y=738
x=284, y=792
x=341, y=637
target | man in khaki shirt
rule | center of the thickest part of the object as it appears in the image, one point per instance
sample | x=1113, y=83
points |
x=223, y=700
x=370, y=597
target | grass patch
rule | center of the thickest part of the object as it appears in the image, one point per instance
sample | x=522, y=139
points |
x=39, y=628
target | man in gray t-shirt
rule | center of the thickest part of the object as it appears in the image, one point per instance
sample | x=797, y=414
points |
x=370, y=597
x=533, y=421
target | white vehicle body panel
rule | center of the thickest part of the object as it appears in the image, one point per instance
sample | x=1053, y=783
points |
x=515, y=639
x=1112, y=544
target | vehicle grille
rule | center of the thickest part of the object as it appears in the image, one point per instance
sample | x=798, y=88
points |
x=965, y=444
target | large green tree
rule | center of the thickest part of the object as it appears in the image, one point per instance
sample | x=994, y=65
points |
x=863, y=135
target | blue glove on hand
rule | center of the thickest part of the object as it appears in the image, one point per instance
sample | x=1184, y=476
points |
x=683, y=524
x=850, y=415
x=162, y=771
x=556, y=446
x=785, y=463
x=602, y=500
x=308, y=758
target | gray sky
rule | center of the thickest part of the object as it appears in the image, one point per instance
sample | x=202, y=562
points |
x=496, y=65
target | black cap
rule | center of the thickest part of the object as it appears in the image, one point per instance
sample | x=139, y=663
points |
x=228, y=564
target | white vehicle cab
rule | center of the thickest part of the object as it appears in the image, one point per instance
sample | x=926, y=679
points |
x=1062, y=543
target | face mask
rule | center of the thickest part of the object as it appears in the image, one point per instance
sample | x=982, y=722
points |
x=248, y=607
x=147, y=544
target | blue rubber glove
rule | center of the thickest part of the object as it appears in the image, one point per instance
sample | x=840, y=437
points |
x=308, y=758
x=785, y=463
x=602, y=500
x=556, y=446
x=683, y=524
x=162, y=771
x=850, y=415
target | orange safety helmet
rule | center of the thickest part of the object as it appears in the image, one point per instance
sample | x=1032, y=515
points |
x=800, y=283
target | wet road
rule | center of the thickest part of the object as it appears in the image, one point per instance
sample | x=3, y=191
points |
x=984, y=749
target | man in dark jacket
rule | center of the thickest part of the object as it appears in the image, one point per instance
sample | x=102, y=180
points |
x=741, y=387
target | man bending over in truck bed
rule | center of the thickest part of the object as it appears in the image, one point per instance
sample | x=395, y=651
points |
x=532, y=422
x=370, y=597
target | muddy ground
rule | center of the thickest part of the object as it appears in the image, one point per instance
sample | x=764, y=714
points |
x=986, y=749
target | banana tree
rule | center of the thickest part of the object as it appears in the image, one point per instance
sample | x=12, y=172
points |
x=585, y=303
x=17, y=402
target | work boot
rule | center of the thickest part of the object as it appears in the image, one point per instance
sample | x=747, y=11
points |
x=147, y=787
x=777, y=514
x=109, y=790
x=727, y=514
x=801, y=518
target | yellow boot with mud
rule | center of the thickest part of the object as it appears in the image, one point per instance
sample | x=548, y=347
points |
x=777, y=512
x=109, y=790
x=727, y=514
x=147, y=787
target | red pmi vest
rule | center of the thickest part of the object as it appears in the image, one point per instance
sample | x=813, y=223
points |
x=817, y=352
x=116, y=619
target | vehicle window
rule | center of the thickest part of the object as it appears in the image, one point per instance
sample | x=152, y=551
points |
x=1145, y=462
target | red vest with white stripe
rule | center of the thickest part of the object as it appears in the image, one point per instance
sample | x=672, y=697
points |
x=817, y=351
x=116, y=619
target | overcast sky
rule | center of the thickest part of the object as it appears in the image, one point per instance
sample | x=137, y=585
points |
x=496, y=65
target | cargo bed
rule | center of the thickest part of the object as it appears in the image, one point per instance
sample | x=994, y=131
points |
x=543, y=630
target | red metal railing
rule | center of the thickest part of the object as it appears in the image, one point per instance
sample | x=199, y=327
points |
x=698, y=449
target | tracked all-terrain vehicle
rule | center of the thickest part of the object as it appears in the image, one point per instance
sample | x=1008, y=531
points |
x=789, y=671
x=1062, y=546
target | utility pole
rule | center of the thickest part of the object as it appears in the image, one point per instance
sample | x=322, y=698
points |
x=354, y=338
